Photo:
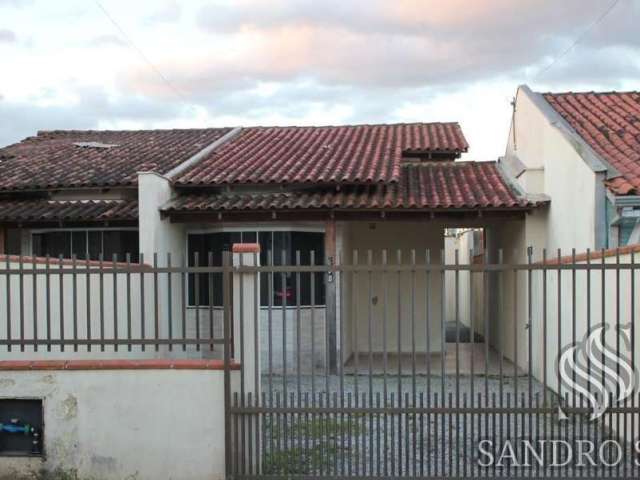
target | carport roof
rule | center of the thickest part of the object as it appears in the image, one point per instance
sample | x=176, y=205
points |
x=421, y=186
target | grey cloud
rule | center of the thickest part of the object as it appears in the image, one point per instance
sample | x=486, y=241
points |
x=392, y=45
x=22, y=119
x=15, y=3
x=169, y=12
x=7, y=36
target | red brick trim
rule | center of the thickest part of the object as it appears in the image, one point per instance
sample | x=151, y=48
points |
x=246, y=248
x=152, y=364
x=593, y=255
x=68, y=262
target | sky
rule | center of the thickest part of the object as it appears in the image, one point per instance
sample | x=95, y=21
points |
x=115, y=64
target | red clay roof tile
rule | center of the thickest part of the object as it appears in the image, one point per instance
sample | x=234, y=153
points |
x=432, y=185
x=322, y=155
x=53, y=159
x=42, y=210
x=610, y=123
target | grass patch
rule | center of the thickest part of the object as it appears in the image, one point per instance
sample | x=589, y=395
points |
x=299, y=461
x=316, y=428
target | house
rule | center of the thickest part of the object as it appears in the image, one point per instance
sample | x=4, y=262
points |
x=582, y=151
x=305, y=194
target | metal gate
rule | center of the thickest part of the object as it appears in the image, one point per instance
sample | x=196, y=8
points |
x=398, y=365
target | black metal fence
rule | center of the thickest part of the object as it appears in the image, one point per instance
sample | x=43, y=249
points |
x=407, y=367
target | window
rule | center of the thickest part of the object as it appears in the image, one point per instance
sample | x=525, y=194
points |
x=87, y=244
x=276, y=289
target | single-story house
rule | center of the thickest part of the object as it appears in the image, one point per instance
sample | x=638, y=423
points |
x=303, y=193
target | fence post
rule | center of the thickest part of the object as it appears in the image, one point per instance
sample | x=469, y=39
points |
x=246, y=351
x=227, y=319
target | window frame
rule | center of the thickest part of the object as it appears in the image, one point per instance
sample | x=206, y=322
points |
x=37, y=231
x=255, y=229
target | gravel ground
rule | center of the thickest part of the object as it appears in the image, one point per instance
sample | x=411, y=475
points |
x=413, y=445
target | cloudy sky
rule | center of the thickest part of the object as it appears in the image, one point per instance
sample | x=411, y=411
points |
x=158, y=64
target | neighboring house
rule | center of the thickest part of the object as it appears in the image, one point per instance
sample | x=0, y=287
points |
x=322, y=192
x=583, y=151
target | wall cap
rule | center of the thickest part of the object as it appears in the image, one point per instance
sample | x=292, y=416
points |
x=593, y=255
x=246, y=248
x=150, y=364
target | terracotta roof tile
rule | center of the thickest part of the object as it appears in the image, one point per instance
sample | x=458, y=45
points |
x=322, y=155
x=59, y=159
x=610, y=123
x=433, y=185
x=42, y=210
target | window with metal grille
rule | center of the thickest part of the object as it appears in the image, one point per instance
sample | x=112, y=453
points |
x=87, y=244
x=279, y=247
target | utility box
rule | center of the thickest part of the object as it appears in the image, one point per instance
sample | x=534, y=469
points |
x=21, y=427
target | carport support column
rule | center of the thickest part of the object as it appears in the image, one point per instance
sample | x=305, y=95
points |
x=331, y=295
x=157, y=234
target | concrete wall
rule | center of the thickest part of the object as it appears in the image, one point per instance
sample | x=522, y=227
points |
x=370, y=300
x=171, y=421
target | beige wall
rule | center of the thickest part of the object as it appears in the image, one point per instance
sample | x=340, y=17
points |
x=394, y=236
x=556, y=167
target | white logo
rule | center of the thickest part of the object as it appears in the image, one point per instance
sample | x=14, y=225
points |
x=596, y=371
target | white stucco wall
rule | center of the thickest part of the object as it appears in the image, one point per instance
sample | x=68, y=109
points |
x=113, y=425
x=556, y=167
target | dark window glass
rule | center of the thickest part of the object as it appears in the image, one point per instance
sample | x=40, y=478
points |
x=120, y=243
x=79, y=244
x=53, y=244
x=95, y=244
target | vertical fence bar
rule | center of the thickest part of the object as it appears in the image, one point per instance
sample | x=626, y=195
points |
x=101, y=283
x=61, y=299
x=196, y=295
x=142, y=295
x=210, y=302
x=88, y=300
x=227, y=319
x=8, y=280
x=47, y=286
x=21, y=302
x=183, y=303
x=115, y=300
x=156, y=300
x=34, y=297
x=128, y=285
x=312, y=279
x=169, y=301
